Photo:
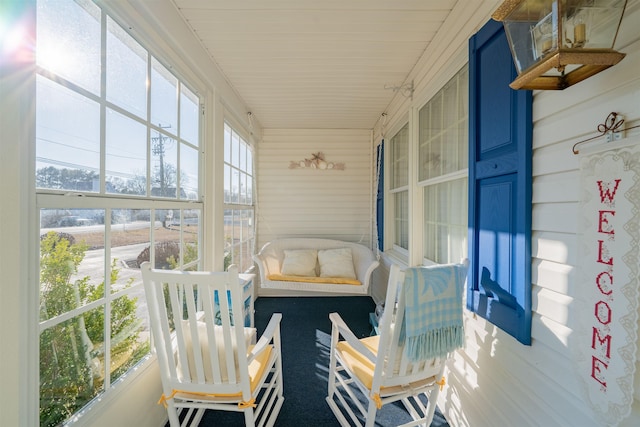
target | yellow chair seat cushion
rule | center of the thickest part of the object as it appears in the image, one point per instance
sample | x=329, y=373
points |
x=256, y=371
x=258, y=365
x=312, y=279
x=361, y=366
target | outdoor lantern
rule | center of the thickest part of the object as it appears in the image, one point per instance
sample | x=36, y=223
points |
x=557, y=43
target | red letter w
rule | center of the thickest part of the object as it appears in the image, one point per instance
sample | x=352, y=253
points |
x=606, y=195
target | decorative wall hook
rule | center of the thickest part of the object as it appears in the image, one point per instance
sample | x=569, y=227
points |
x=250, y=119
x=405, y=90
x=611, y=128
x=383, y=125
x=316, y=161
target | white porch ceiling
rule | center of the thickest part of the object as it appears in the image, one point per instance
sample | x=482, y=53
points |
x=314, y=64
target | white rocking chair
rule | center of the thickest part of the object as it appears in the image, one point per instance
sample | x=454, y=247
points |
x=365, y=374
x=203, y=348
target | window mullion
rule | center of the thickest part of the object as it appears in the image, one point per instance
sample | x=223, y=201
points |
x=149, y=129
x=49, y=323
x=108, y=297
x=103, y=97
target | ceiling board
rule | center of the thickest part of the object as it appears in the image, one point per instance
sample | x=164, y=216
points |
x=307, y=64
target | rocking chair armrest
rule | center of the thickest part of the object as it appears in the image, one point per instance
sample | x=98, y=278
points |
x=350, y=337
x=267, y=336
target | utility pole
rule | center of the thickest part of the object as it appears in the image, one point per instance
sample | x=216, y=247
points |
x=158, y=150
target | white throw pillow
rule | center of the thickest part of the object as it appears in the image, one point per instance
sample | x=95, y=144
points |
x=205, y=349
x=300, y=262
x=336, y=263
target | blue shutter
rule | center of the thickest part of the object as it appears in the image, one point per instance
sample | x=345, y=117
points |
x=500, y=132
x=380, y=196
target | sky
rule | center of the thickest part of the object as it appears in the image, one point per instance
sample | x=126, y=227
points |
x=68, y=123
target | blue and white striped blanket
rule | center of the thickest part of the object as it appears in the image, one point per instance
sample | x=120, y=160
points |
x=433, y=310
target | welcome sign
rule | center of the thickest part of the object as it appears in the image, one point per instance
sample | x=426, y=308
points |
x=607, y=287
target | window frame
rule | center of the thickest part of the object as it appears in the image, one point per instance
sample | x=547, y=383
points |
x=46, y=198
x=393, y=192
x=246, y=211
x=415, y=255
x=450, y=176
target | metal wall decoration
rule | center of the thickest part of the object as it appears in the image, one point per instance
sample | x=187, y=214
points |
x=611, y=128
x=317, y=161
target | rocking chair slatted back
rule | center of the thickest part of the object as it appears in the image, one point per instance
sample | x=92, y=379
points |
x=396, y=367
x=203, y=348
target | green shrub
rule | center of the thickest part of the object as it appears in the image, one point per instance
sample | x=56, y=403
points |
x=72, y=352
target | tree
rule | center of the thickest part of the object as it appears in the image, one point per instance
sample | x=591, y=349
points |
x=137, y=184
x=65, y=373
x=117, y=185
x=67, y=179
x=72, y=352
x=163, y=180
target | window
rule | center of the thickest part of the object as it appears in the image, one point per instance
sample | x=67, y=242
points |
x=239, y=236
x=443, y=154
x=399, y=187
x=114, y=126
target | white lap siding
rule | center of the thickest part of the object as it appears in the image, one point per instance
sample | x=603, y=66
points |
x=307, y=202
x=496, y=380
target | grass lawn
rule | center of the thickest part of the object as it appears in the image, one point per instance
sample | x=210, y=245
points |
x=135, y=236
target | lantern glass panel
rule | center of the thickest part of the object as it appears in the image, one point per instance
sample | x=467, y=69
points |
x=537, y=29
x=529, y=26
x=592, y=24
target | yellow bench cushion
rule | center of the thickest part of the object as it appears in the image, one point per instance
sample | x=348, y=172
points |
x=311, y=279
